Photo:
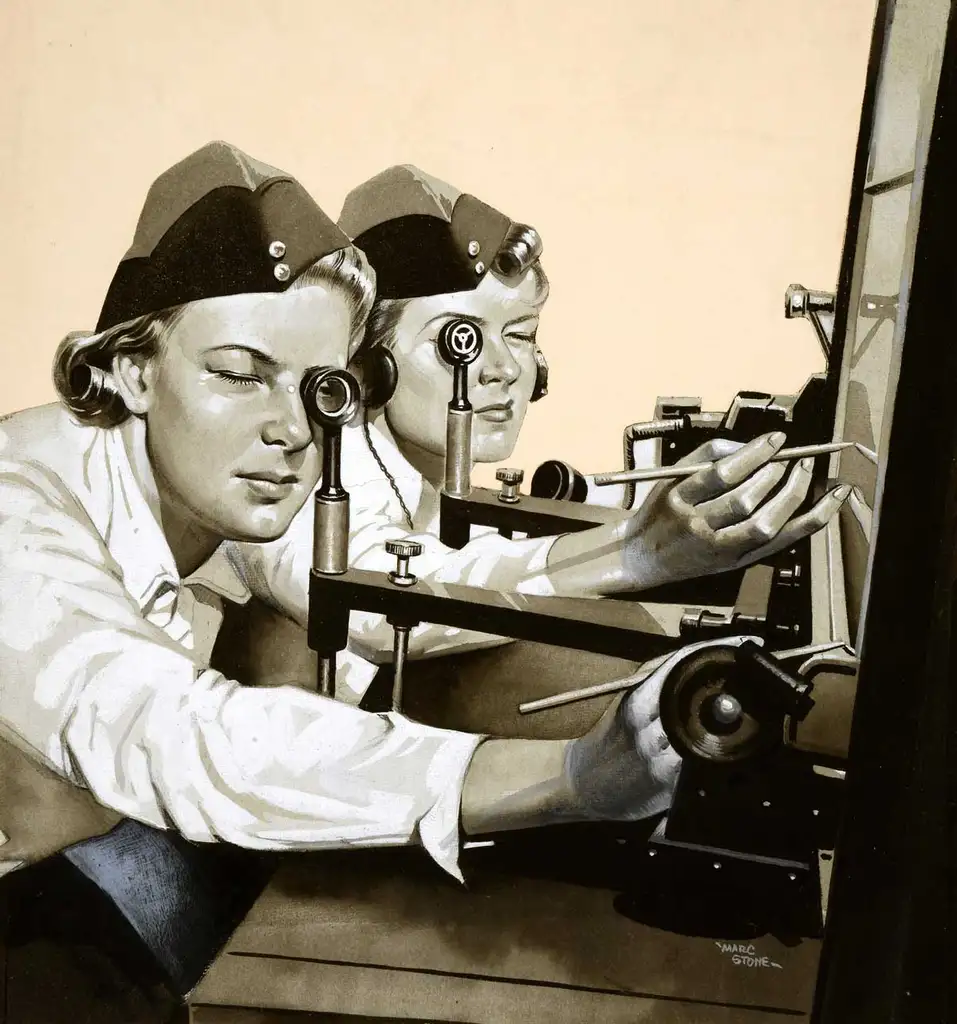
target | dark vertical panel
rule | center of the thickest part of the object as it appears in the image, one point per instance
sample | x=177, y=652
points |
x=888, y=954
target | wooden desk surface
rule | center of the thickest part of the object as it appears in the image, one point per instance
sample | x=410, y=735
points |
x=386, y=935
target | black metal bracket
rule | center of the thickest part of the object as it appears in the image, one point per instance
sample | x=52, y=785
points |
x=619, y=629
x=535, y=517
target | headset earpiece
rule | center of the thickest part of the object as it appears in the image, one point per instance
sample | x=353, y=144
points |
x=380, y=375
x=541, y=375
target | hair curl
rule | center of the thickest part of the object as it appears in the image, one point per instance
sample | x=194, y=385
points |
x=520, y=249
x=82, y=365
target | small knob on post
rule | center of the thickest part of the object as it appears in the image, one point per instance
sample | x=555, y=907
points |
x=511, y=480
x=403, y=551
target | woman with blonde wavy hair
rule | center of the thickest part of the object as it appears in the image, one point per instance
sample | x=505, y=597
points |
x=181, y=443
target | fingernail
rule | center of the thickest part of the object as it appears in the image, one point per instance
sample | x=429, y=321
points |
x=842, y=492
x=807, y=464
x=777, y=439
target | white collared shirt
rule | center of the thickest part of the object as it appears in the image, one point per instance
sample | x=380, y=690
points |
x=489, y=560
x=104, y=673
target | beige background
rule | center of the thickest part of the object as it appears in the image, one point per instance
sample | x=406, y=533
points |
x=683, y=161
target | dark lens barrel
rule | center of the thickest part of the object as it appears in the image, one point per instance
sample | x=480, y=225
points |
x=556, y=479
x=330, y=396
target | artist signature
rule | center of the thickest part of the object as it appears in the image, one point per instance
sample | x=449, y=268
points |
x=744, y=954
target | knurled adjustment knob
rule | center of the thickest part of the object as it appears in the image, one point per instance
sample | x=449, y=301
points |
x=511, y=480
x=403, y=551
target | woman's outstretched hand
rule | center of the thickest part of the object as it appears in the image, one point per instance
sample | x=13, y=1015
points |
x=722, y=518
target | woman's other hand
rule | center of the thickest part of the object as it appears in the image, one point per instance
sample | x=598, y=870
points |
x=722, y=517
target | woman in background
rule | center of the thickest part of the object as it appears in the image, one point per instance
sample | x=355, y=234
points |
x=440, y=254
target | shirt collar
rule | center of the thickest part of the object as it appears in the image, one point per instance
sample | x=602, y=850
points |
x=135, y=537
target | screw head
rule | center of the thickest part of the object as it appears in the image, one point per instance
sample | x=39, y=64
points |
x=403, y=548
x=474, y=248
x=281, y=271
x=277, y=250
x=510, y=476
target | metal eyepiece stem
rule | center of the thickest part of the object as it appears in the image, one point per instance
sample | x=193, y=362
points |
x=459, y=345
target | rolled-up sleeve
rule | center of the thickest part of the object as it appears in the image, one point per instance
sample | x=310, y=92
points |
x=110, y=702
x=278, y=572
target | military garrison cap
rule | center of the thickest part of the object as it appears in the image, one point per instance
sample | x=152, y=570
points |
x=421, y=235
x=218, y=223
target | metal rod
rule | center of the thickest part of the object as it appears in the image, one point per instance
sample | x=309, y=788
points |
x=621, y=685
x=815, y=317
x=809, y=649
x=861, y=511
x=327, y=676
x=458, y=451
x=674, y=472
x=868, y=453
x=400, y=651
x=598, y=690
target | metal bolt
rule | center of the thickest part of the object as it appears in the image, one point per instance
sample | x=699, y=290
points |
x=717, y=865
x=281, y=271
x=726, y=709
x=277, y=250
x=511, y=480
x=474, y=248
x=403, y=551
x=480, y=268
x=766, y=803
